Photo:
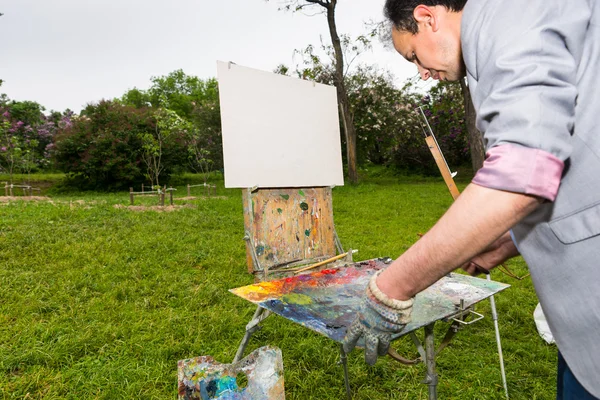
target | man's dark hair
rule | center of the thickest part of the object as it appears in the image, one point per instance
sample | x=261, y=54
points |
x=400, y=12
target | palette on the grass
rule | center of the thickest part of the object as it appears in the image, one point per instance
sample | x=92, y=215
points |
x=257, y=377
x=327, y=301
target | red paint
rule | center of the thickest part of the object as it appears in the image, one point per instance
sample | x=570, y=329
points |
x=329, y=271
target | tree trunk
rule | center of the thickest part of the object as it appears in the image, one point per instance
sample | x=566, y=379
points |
x=475, y=137
x=349, y=131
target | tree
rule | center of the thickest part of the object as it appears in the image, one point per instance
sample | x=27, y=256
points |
x=475, y=137
x=168, y=125
x=204, y=142
x=181, y=91
x=29, y=112
x=196, y=102
x=343, y=101
x=137, y=98
x=374, y=103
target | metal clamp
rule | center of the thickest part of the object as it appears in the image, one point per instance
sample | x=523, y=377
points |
x=467, y=312
x=463, y=312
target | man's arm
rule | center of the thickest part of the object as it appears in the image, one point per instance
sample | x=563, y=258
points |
x=476, y=219
x=495, y=254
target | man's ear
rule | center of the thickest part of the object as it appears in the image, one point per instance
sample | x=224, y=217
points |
x=426, y=16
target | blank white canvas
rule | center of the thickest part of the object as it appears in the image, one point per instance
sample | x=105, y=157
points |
x=278, y=131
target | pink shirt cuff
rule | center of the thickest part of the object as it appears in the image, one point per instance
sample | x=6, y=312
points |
x=521, y=169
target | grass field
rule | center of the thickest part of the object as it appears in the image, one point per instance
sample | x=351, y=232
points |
x=99, y=302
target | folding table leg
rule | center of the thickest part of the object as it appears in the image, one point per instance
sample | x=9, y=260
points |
x=431, y=378
x=259, y=315
x=344, y=362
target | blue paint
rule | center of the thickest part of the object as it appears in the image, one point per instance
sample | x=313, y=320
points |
x=225, y=388
x=260, y=250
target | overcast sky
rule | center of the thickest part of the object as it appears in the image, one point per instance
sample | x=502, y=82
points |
x=67, y=53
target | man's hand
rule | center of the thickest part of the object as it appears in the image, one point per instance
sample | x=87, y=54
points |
x=378, y=319
x=494, y=255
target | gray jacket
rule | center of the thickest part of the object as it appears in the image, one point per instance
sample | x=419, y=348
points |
x=532, y=69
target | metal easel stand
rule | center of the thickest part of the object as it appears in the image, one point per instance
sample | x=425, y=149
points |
x=497, y=330
x=260, y=314
x=427, y=350
x=344, y=363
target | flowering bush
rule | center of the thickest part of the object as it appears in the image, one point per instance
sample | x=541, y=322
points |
x=25, y=132
x=104, y=147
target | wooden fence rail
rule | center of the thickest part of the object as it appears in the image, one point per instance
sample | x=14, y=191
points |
x=209, y=188
x=8, y=189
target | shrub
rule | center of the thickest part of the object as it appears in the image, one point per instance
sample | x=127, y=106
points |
x=103, y=147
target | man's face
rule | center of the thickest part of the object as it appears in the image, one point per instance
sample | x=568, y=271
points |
x=435, y=48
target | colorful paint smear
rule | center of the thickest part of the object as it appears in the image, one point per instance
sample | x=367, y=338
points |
x=203, y=378
x=327, y=301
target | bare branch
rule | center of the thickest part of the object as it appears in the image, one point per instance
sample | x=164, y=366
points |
x=319, y=2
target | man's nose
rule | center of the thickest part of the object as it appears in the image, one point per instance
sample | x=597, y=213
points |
x=425, y=74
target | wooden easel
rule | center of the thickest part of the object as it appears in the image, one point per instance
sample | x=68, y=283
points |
x=286, y=228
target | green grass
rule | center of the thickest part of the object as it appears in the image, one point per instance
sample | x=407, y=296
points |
x=98, y=302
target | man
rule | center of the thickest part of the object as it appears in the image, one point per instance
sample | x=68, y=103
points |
x=531, y=69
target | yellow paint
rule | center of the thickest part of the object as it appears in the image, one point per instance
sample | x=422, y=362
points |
x=296, y=298
x=260, y=291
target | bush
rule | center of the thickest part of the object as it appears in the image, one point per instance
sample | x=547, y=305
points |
x=102, y=149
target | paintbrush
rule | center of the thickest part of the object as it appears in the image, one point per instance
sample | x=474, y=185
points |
x=324, y=262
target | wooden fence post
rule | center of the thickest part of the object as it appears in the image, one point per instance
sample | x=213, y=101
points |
x=171, y=194
x=188, y=190
x=131, y=195
x=11, y=190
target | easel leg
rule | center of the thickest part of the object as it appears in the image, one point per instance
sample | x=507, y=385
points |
x=252, y=326
x=431, y=379
x=344, y=362
x=497, y=331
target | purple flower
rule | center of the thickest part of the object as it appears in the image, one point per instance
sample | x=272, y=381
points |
x=3, y=148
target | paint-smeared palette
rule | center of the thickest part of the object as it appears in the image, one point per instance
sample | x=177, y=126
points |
x=327, y=301
x=203, y=378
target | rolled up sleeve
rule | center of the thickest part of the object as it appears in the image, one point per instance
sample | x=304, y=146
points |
x=526, y=94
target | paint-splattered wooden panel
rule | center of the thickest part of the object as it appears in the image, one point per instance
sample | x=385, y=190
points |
x=288, y=225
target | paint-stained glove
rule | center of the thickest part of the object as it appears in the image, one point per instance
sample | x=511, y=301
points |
x=377, y=320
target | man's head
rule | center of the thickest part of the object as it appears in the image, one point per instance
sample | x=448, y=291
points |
x=427, y=33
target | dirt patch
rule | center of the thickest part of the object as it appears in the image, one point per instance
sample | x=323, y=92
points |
x=154, y=208
x=200, y=198
x=7, y=199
